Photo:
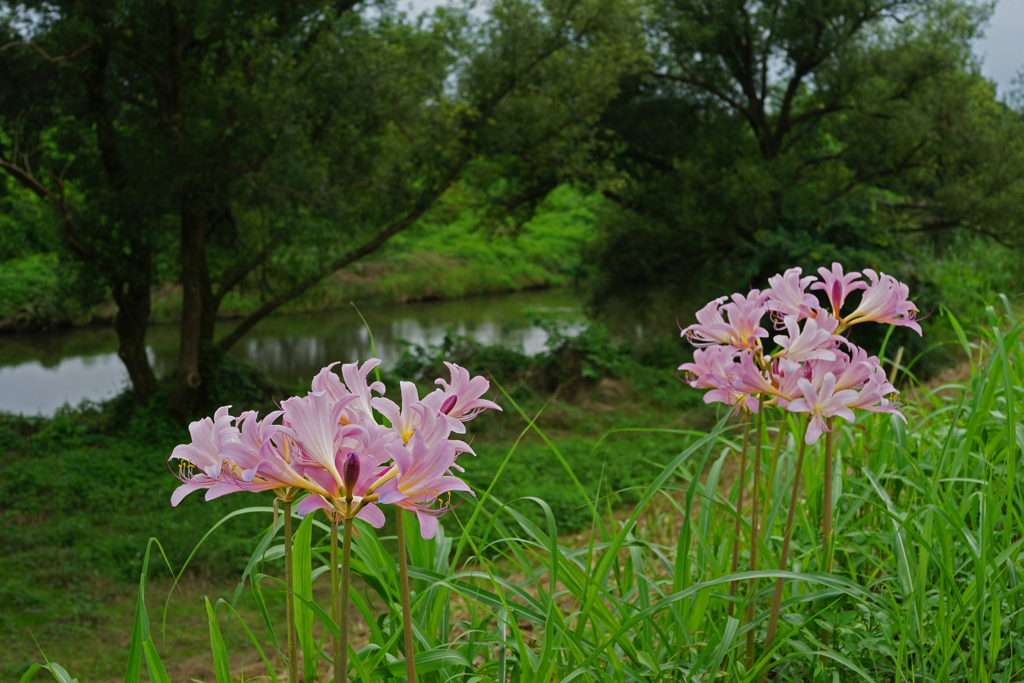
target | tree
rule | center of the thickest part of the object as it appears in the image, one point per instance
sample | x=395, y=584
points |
x=265, y=145
x=767, y=134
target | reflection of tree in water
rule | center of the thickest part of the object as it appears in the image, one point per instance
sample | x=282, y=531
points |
x=50, y=348
x=289, y=348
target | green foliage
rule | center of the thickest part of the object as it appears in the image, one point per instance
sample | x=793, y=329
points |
x=839, y=135
x=926, y=556
x=437, y=258
x=41, y=292
x=248, y=152
x=924, y=583
x=24, y=219
x=80, y=490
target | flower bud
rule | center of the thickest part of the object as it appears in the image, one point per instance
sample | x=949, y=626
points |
x=447, y=406
x=350, y=474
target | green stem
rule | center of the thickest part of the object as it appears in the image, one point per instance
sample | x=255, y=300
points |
x=753, y=529
x=773, y=619
x=403, y=573
x=289, y=597
x=341, y=665
x=766, y=508
x=336, y=642
x=826, y=521
x=739, y=510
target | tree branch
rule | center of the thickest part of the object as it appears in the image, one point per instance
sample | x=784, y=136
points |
x=939, y=225
x=43, y=53
x=707, y=87
x=345, y=259
x=235, y=278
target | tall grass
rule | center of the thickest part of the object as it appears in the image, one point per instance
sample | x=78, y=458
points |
x=925, y=584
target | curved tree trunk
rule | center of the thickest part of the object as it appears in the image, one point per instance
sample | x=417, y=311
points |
x=187, y=379
x=133, y=307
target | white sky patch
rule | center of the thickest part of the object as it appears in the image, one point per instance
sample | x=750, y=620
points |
x=1002, y=48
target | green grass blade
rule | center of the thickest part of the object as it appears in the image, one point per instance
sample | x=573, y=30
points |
x=221, y=668
x=157, y=672
x=302, y=569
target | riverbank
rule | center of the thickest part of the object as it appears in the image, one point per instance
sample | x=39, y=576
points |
x=80, y=493
x=430, y=261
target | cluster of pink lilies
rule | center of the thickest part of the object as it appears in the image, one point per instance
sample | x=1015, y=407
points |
x=330, y=445
x=812, y=369
x=815, y=370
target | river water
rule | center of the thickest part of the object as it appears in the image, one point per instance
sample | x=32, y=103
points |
x=40, y=372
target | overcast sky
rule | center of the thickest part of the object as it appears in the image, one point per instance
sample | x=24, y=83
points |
x=1002, y=48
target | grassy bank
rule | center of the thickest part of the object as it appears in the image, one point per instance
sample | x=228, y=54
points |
x=925, y=583
x=447, y=260
x=80, y=493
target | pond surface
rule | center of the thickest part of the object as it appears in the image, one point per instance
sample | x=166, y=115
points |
x=40, y=372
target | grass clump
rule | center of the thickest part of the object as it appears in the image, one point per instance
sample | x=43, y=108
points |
x=925, y=584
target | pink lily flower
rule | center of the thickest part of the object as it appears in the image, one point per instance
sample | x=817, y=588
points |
x=821, y=404
x=202, y=465
x=733, y=398
x=885, y=301
x=423, y=476
x=742, y=329
x=787, y=295
x=315, y=422
x=326, y=381
x=838, y=286
x=366, y=471
x=244, y=461
x=873, y=396
x=259, y=453
x=712, y=367
x=789, y=382
x=711, y=328
x=461, y=397
x=357, y=384
x=435, y=430
x=406, y=419
x=745, y=313
x=750, y=379
x=851, y=370
x=814, y=342
x=716, y=368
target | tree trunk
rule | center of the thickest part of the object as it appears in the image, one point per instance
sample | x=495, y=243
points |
x=193, y=264
x=133, y=304
x=208, y=317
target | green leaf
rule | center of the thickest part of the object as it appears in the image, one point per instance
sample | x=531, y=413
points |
x=57, y=670
x=221, y=667
x=157, y=672
x=425, y=663
x=302, y=579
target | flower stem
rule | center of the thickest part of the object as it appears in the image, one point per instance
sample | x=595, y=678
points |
x=403, y=573
x=289, y=597
x=773, y=619
x=336, y=642
x=753, y=529
x=739, y=510
x=341, y=661
x=826, y=521
x=766, y=508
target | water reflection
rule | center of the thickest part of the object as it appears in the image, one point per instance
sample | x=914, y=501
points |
x=41, y=372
